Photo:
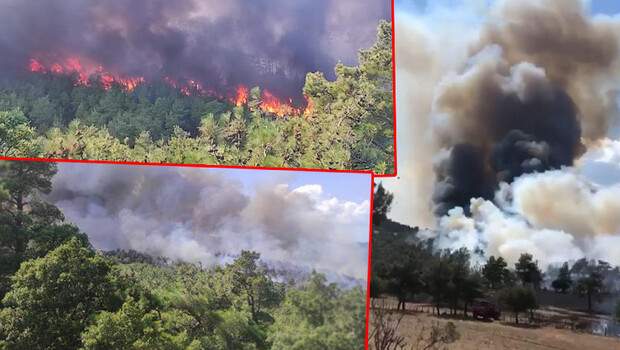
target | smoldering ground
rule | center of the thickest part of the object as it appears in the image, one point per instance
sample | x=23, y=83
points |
x=197, y=215
x=220, y=43
x=499, y=94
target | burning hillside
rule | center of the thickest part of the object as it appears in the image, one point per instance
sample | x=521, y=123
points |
x=88, y=73
x=204, y=46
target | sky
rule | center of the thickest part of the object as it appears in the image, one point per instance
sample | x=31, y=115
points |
x=608, y=7
x=346, y=186
x=313, y=219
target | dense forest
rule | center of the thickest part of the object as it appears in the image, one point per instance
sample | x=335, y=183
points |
x=411, y=268
x=347, y=123
x=58, y=292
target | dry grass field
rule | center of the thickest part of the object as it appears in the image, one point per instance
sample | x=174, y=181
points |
x=478, y=335
x=416, y=327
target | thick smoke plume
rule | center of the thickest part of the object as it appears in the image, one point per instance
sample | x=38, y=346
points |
x=497, y=98
x=536, y=79
x=199, y=215
x=271, y=43
x=556, y=216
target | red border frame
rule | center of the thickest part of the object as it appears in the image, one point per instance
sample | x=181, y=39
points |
x=237, y=167
x=367, y=317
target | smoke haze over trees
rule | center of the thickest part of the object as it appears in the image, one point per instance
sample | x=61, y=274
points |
x=220, y=44
x=127, y=299
x=198, y=215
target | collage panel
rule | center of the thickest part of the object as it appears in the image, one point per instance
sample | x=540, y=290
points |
x=278, y=84
x=114, y=256
x=502, y=229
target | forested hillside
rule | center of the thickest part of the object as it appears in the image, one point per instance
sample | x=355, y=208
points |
x=58, y=292
x=345, y=124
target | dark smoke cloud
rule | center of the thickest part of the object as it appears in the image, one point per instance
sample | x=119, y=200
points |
x=272, y=43
x=201, y=214
x=534, y=87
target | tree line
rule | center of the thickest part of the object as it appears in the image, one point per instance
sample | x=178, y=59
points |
x=58, y=292
x=412, y=269
x=350, y=124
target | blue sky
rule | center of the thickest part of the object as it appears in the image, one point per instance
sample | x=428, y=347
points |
x=606, y=6
x=609, y=7
x=345, y=186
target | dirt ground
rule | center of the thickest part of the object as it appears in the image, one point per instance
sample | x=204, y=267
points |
x=481, y=335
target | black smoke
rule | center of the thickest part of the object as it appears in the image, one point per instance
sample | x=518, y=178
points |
x=525, y=124
x=271, y=43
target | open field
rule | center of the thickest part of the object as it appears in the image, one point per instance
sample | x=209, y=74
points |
x=476, y=335
x=551, y=331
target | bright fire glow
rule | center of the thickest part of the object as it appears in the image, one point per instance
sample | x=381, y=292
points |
x=84, y=70
x=272, y=104
x=242, y=96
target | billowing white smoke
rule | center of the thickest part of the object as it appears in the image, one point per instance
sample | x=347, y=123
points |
x=455, y=65
x=556, y=216
x=197, y=215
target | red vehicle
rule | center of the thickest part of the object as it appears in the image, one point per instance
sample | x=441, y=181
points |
x=485, y=310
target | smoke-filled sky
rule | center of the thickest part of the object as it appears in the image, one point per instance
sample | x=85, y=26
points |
x=509, y=125
x=272, y=43
x=312, y=220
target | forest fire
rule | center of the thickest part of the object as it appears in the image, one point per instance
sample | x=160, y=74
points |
x=85, y=71
x=242, y=96
x=270, y=103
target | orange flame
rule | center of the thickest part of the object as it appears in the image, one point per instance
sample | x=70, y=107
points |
x=273, y=104
x=242, y=96
x=36, y=66
x=83, y=70
x=309, y=105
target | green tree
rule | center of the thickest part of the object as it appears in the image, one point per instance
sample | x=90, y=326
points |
x=134, y=327
x=590, y=286
x=52, y=298
x=404, y=276
x=437, y=279
x=472, y=290
x=563, y=282
x=26, y=221
x=17, y=138
x=495, y=272
x=23, y=183
x=527, y=271
x=518, y=299
x=319, y=316
x=250, y=281
x=381, y=205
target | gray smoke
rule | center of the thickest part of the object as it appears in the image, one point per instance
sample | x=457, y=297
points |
x=199, y=214
x=272, y=43
x=526, y=89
